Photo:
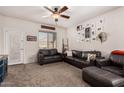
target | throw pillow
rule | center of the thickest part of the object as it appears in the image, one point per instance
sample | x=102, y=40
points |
x=73, y=53
x=84, y=56
x=88, y=57
x=91, y=57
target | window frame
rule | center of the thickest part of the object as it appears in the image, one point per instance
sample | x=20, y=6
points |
x=55, y=46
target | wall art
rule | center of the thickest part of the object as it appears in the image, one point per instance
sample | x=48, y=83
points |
x=87, y=32
x=79, y=28
x=31, y=38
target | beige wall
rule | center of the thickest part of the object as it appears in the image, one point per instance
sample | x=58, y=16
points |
x=1, y=35
x=1, y=41
x=29, y=28
x=113, y=26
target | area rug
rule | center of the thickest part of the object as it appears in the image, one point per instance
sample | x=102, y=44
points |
x=58, y=74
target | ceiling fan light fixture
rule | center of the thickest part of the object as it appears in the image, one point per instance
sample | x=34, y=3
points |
x=57, y=12
x=55, y=16
x=56, y=20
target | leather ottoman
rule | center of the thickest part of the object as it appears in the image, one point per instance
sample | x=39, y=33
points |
x=101, y=78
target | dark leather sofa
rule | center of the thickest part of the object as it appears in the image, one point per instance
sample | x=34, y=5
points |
x=48, y=56
x=81, y=61
x=114, y=64
x=108, y=73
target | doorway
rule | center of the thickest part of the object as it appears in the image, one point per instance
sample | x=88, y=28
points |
x=14, y=46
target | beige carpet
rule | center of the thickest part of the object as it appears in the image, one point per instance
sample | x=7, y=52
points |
x=50, y=75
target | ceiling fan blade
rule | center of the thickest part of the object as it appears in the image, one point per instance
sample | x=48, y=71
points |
x=46, y=16
x=49, y=9
x=65, y=16
x=63, y=9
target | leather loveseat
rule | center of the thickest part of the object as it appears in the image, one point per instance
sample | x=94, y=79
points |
x=81, y=61
x=48, y=56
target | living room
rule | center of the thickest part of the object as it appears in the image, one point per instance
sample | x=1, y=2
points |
x=61, y=46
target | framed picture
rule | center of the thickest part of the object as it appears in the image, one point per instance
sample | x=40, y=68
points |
x=31, y=38
x=79, y=28
x=87, y=32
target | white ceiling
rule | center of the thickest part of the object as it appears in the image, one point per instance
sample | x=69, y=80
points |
x=35, y=13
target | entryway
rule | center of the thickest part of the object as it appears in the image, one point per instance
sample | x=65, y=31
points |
x=14, y=46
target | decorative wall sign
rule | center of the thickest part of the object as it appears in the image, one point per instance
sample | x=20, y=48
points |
x=48, y=27
x=31, y=38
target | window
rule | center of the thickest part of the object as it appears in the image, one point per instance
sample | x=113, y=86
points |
x=47, y=40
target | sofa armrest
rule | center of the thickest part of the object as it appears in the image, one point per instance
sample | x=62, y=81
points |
x=102, y=62
x=62, y=55
x=40, y=57
x=59, y=53
x=65, y=54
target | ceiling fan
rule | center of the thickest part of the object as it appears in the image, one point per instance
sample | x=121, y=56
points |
x=57, y=12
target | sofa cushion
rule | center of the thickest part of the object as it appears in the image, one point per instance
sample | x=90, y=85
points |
x=69, y=58
x=57, y=56
x=48, y=57
x=45, y=52
x=52, y=57
x=78, y=60
x=53, y=51
x=114, y=69
x=77, y=54
x=85, y=63
x=84, y=55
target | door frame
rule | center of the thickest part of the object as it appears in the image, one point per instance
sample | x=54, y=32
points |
x=6, y=48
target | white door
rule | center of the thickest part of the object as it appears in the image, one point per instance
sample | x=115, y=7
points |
x=14, y=47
